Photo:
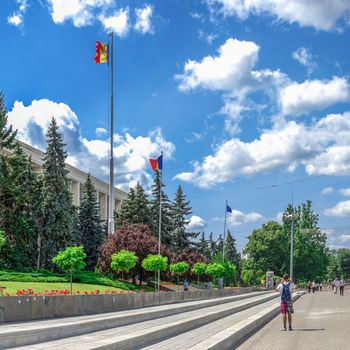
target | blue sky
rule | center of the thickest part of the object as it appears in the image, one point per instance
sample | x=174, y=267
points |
x=249, y=100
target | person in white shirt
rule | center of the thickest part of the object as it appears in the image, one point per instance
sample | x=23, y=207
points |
x=336, y=285
x=341, y=287
x=286, y=288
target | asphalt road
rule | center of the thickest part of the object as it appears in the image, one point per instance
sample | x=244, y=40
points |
x=321, y=321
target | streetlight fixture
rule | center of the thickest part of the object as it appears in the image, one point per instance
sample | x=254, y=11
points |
x=292, y=217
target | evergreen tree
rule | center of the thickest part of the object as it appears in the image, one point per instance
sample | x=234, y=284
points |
x=90, y=231
x=231, y=254
x=212, y=246
x=7, y=135
x=58, y=214
x=203, y=246
x=154, y=207
x=135, y=209
x=179, y=210
x=17, y=217
x=219, y=245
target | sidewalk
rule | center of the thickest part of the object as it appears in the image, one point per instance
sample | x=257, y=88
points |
x=321, y=321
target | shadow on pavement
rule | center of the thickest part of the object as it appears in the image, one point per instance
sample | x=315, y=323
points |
x=308, y=329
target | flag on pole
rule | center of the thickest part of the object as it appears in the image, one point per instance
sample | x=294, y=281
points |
x=228, y=209
x=157, y=164
x=101, y=52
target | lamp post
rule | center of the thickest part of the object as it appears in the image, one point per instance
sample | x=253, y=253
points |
x=291, y=217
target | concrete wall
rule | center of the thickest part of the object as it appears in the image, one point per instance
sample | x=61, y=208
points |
x=15, y=309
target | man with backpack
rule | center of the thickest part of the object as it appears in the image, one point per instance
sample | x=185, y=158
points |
x=286, y=288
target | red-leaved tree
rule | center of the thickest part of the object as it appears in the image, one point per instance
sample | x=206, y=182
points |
x=136, y=238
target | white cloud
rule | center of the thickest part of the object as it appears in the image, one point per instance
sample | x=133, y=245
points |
x=321, y=15
x=345, y=238
x=298, y=99
x=196, y=224
x=229, y=70
x=100, y=132
x=342, y=209
x=279, y=217
x=322, y=148
x=345, y=192
x=143, y=20
x=118, y=23
x=80, y=12
x=17, y=17
x=131, y=153
x=238, y=218
x=304, y=57
x=327, y=190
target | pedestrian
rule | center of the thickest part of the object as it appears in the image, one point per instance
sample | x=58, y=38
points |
x=309, y=286
x=336, y=286
x=286, y=288
x=321, y=285
x=185, y=286
x=341, y=286
x=313, y=285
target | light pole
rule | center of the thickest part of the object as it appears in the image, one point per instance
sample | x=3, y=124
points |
x=291, y=217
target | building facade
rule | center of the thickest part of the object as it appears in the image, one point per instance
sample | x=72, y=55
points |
x=77, y=179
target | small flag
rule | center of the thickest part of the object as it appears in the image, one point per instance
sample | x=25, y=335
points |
x=101, y=53
x=228, y=209
x=157, y=164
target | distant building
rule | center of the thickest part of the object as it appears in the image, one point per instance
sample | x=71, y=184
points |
x=77, y=179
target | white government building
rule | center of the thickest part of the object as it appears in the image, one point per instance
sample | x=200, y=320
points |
x=77, y=179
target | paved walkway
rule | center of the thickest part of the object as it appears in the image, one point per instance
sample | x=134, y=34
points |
x=321, y=321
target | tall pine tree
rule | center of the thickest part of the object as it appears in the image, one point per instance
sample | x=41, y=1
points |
x=212, y=246
x=57, y=210
x=203, y=246
x=180, y=209
x=7, y=135
x=231, y=253
x=90, y=231
x=154, y=206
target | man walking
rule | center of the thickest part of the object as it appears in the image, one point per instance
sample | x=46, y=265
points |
x=286, y=288
x=341, y=286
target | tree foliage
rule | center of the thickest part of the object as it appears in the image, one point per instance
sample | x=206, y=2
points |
x=199, y=269
x=90, y=231
x=7, y=135
x=215, y=270
x=123, y=261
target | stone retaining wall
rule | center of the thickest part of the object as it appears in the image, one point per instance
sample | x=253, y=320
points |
x=25, y=308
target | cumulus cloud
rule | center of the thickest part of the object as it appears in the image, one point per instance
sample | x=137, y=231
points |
x=298, y=99
x=118, y=22
x=322, y=148
x=16, y=18
x=90, y=155
x=327, y=190
x=101, y=132
x=196, y=224
x=341, y=209
x=345, y=192
x=304, y=57
x=237, y=218
x=143, y=20
x=321, y=15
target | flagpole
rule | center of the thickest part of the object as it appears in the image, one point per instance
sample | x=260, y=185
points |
x=223, y=243
x=160, y=215
x=111, y=158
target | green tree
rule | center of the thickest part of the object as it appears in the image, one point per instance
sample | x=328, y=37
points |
x=178, y=269
x=70, y=260
x=339, y=264
x=90, y=231
x=219, y=245
x=7, y=135
x=203, y=246
x=212, y=246
x=2, y=239
x=125, y=216
x=267, y=249
x=230, y=272
x=166, y=228
x=124, y=261
x=215, y=270
x=311, y=255
x=232, y=255
x=179, y=210
x=58, y=214
x=155, y=263
x=199, y=269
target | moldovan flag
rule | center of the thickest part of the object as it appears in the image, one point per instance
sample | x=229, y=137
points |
x=157, y=164
x=101, y=53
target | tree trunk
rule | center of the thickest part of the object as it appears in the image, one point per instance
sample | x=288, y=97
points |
x=38, y=261
x=197, y=280
x=178, y=283
x=155, y=283
x=71, y=282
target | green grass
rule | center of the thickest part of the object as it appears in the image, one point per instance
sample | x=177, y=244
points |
x=41, y=287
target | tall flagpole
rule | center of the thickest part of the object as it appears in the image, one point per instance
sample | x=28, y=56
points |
x=160, y=215
x=111, y=159
x=223, y=243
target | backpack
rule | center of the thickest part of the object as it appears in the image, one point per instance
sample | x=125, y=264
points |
x=285, y=295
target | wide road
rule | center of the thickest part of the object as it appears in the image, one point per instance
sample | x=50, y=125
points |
x=321, y=321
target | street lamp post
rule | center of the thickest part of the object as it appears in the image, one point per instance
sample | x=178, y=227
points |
x=292, y=217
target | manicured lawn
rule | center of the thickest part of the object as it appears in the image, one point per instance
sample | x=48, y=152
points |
x=41, y=287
